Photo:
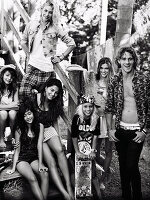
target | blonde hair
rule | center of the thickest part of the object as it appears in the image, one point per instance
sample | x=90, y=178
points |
x=40, y=5
x=93, y=117
x=56, y=11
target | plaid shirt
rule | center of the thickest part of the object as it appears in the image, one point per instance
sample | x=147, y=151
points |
x=50, y=37
x=141, y=90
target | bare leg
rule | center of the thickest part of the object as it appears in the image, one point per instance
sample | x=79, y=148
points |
x=25, y=169
x=97, y=187
x=49, y=159
x=55, y=144
x=44, y=176
x=12, y=117
x=3, y=118
x=95, y=181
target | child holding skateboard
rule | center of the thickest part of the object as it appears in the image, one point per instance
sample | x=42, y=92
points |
x=84, y=132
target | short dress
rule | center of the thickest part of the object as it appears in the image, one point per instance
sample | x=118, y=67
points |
x=100, y=102
x=28, y=149
x=6, y=99
x=49, y=130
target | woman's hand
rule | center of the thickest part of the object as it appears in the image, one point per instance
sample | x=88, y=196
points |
x=57, y=59
x=42, y=168
x=10, y=171
x=112, y=136
x=92, y=155
x=140, y=137
x=80, y=155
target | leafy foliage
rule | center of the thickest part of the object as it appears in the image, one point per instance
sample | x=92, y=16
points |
x=82, y=19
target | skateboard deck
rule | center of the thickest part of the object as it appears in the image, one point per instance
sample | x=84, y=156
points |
x=83, y=173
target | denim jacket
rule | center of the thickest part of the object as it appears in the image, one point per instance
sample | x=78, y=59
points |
x=141, y=90
x=50, y=36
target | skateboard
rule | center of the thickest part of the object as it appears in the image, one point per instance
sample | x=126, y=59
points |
x=83, y=173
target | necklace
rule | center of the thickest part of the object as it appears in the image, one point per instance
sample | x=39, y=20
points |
x=30, y=134
x=6, y=93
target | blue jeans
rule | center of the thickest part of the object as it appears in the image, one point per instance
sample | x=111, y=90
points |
x=128, y=155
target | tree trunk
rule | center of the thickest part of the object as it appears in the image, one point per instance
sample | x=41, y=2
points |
x=124, y=23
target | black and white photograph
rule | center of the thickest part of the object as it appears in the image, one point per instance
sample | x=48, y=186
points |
x=74, y=100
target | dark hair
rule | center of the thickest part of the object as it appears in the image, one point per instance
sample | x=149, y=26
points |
x=12, y=87
x=55, y=105
x=121, y=53
x=104, y=60
x=21, y=124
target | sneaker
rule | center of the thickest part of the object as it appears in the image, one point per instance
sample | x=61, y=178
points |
x=102, y=186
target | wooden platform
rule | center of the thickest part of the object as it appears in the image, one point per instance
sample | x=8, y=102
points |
x=5, y=177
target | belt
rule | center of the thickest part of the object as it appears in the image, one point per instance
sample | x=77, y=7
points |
x=130, y=127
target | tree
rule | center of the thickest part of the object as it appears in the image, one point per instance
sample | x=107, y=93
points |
x=82, y=18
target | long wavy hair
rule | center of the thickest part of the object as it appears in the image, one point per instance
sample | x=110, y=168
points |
x=121, y=53
x=55, y=106
x=56, y=11
x=104, y=60
x=27, y=105
x=93, y=117
x=12, y=87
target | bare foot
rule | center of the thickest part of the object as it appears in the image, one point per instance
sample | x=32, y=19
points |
x=2, y=144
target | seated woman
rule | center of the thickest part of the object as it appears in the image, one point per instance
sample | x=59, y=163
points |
x=50, y=107
x=28, y=154
x=8, y=99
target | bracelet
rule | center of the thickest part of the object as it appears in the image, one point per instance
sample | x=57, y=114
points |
x=62, y=56
x=93, y=150
x=144, y=131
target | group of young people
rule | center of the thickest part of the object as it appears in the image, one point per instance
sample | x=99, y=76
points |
x=118, y=112
x=33, y=117
x=33, y=110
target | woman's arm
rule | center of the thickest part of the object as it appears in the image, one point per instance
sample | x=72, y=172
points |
x=94, y=142
x=76, y=148
x=25, y=38
x=93, y=150
x=40, y=149
x=16, y=153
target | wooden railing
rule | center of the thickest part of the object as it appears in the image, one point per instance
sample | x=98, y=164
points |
x=62, y=75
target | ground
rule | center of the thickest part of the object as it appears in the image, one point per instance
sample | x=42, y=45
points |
x=113, y=189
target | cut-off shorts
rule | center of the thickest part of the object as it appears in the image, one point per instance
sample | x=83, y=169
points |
x=49, y=133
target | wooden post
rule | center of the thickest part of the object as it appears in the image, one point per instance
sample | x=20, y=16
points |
x=3, y=24
x=75, y=77
x=124, y=23
x=103, y=24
